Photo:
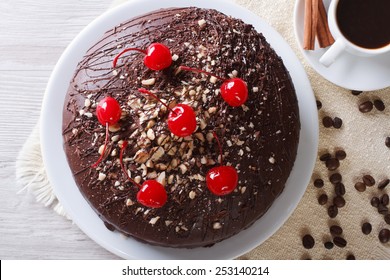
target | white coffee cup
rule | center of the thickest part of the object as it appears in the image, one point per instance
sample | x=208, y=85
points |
x=342, y=44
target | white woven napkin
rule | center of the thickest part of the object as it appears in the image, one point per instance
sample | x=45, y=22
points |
x=361, y=136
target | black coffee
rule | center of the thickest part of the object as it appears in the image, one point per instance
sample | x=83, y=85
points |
x=365, y=23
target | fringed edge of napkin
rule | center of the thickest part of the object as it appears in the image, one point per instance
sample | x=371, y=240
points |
x=31, y=175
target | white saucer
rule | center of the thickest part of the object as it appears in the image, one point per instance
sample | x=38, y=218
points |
x=348, y=71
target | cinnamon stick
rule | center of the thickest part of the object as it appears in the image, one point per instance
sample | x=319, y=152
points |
x=324, y=37
x=309, y=31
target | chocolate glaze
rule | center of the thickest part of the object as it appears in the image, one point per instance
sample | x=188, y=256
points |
x=260, y=138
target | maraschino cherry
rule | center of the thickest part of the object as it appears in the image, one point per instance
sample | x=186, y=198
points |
x=151, y=193
x=108, y=113
x=181, y=118
x=221, y=180
x=234, y=91
x=157, y=56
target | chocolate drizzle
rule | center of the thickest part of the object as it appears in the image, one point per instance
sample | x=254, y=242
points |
x=260, y=138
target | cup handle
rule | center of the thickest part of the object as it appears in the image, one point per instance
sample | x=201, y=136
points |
x=332, y=53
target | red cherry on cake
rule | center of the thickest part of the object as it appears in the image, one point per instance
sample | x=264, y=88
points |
x=108, y=112
x=221, y=180
x=151, y=193
x=181, y=118
x=157, y=56
x=234, y=91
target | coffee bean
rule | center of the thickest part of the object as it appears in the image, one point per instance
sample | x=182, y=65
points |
x=387, y=142
x=332, y=164
x=333, y=211
x=319, y=104
x=366, y=107
x=360, y=187
x=375, y=201
x=308, y=241
x=339, y=189
x=336, y=230
x=351, y=257
x=327, y=121
x=339, y=242
x=329, y=245
x=318, y=183
x=387, y=219
x=382, y=209
x=368, y=180
x=379, y=105
x=339, y=201
x=337, y=122
x=325, y=157
x=340, y=154
x=384, y=235
x=335, y=178
x=322, y=199
x=382, y=184
x=385, y=199
x=356, y=92
x=366, y=228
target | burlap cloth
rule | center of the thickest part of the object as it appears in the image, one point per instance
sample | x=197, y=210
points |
x=362, y=136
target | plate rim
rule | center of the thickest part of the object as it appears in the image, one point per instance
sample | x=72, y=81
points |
x=49, y=147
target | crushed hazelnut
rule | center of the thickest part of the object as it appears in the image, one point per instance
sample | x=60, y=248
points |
x=154, y=220
x=217, y=225
x=102, y=176
x=148, y=82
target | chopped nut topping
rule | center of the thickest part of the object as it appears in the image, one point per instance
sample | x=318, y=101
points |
x=114, y=128
x=212, y=110
x=150, y=134
x=154, y=220
x=161, y=178
x=141, y=156
x=175, y=57
x=217, y=225
x=183, y=168
x=137, y=179
x=115, y=138
x=200, y=136
x=148, y=82
x=152, y=175
x=271, y=160
x=88, y=115
x=213, y=79
x=101, y=149
x=129, y=202
x=209, y=137
x=87, y=103
x=192, y=195
x=102, y=176
x=167, y=223
x=255, y=89
x=157, y=153
x=201, y=22
x=170, y=179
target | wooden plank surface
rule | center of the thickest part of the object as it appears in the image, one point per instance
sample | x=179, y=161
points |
x=33, y=34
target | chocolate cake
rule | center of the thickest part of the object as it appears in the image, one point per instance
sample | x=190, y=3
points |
x=259, y=138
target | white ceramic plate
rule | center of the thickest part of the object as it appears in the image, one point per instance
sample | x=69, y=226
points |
x=77, y=207
x=348, y=71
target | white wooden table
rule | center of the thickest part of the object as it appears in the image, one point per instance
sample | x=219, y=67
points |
x=33, y=34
